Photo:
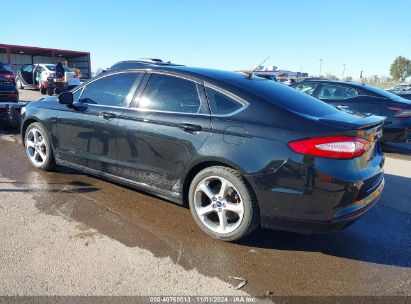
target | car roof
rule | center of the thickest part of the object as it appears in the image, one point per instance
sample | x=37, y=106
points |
x=204, y=74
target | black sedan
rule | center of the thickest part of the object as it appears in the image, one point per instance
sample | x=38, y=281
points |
x=366, y=99
x=239, y=150
x=9, y=96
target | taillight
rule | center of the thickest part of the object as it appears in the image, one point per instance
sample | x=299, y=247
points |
x=8, y=76
x=76, y=76
x=339, y=147
x=401, y=113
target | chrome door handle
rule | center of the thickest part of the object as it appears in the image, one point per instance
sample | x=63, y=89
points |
x=106, y=115
x=190, y=127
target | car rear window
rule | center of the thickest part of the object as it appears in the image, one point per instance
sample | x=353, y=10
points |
x=284, y=96
x=382, y=93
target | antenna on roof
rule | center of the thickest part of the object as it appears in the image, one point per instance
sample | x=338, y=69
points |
x=258, y=66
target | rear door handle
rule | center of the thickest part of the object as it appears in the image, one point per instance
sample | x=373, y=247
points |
x=190, y=127
x=342, y=107
x=106, y=115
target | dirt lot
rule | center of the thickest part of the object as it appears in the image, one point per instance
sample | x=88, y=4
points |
x=66, y=233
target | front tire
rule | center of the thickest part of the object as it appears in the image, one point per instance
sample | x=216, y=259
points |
x=19, y=84
x=223, y=204
x=38, y=147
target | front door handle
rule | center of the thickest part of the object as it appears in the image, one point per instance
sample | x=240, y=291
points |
x=106, y=115
x=190, y=127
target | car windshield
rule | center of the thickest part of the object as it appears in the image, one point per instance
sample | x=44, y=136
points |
x=284, y=96
x=52, y=67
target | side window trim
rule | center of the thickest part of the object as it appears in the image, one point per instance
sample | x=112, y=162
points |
x=244, y=103
x=81, y=93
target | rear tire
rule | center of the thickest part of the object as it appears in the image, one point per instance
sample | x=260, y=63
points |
x=223, y=204
x=38, y=147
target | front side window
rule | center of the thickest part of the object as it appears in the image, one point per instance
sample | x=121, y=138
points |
x=336, y=92
x=170, y=94
x=28, y=69
x=112, y=90
x=307, y=88
x=220, y=103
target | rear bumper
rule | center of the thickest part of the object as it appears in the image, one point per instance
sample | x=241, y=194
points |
x=10, y=113
x=342, y=219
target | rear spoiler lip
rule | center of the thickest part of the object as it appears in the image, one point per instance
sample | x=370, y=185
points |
x=360, y=124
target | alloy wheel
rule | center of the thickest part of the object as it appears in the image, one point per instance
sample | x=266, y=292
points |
x=36, y=147
x=218, y=205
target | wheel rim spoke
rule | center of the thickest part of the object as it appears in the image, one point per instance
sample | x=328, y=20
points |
x=224, y=188
x=36, y=136
x=30, y=144
x=42, y=154
x=205, y=210
x=207, y=190
x=236, y=208
x=222, y=221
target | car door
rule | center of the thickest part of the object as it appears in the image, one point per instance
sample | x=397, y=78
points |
x=162, y=131
x=37, y=72
x=27, y=74
x=87, y=131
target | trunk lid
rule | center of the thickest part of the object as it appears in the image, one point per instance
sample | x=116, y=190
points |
x=369, y=128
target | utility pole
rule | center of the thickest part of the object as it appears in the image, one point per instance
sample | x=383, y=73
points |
x=321, y=64
x=343, y=72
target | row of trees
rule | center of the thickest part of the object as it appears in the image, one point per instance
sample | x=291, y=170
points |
x=400, y=68
x=371, y=79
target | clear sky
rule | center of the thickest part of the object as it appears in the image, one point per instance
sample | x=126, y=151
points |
x=226, y=34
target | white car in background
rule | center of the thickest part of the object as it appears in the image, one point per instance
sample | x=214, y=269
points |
x=400, y=87
x=31, y=75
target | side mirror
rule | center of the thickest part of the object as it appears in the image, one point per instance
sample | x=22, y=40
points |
x=66, y=98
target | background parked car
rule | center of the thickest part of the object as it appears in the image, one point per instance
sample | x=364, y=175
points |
x=9, y=97
x=400, y=87
x=29, y=76
x=403, y=90
x=369, y=100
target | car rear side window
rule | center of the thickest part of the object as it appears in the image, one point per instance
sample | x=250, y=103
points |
x=112, y=90
x=332, y=92
x=170, y=94
x=220, y=103
x=307, y=88
x=283, y=96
